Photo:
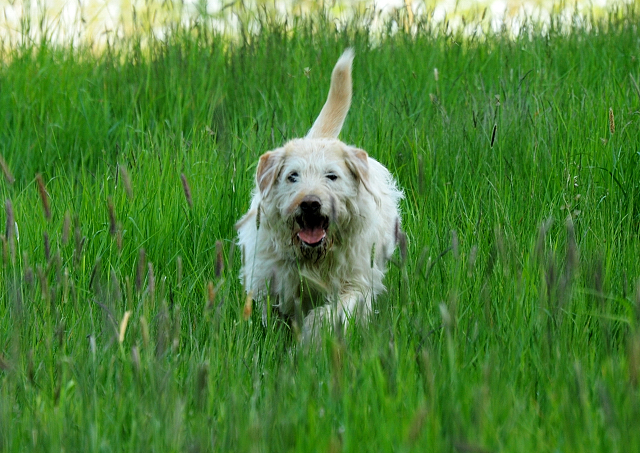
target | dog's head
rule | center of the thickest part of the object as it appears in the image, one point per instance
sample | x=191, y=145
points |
x=312, y=189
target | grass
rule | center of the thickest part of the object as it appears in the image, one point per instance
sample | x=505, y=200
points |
x=512, y=326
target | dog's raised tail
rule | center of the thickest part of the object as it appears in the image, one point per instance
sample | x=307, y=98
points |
x=329, y=122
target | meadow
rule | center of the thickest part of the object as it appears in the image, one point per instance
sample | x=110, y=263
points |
x=512, y=324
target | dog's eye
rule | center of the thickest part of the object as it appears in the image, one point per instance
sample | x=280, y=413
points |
x=332, y=176
x=293, y=177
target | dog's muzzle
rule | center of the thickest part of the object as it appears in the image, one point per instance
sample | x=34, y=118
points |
x=313, y=225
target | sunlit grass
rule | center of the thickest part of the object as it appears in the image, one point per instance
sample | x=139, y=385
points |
x=512, y=326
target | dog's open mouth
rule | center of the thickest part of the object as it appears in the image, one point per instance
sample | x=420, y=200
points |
x=313, y=229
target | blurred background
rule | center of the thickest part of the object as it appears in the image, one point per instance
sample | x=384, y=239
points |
x=95, y=21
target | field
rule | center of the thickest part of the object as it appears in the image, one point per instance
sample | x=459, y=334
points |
x=513, y=324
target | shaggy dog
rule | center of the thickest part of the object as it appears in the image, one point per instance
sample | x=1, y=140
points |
x=322, y=224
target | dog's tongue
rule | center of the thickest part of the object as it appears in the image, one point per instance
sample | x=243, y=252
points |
x=312, y=235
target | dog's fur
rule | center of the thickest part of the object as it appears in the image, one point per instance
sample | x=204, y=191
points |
x=323, y=221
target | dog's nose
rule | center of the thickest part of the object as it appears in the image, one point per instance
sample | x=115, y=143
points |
x=310, y=204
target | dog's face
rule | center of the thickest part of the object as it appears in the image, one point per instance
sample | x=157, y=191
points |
x=310, y=189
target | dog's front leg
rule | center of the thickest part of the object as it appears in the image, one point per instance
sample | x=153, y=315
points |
x=336, y=314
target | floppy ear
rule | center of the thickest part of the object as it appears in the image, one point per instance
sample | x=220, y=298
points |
x=268, y=169
x=357, y=161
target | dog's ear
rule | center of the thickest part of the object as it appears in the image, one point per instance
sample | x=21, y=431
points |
x=268, y=169
x=357, y=161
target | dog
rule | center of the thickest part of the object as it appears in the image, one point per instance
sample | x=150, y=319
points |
x=324, y=220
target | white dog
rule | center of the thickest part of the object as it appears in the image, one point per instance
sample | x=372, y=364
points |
x=323, y=222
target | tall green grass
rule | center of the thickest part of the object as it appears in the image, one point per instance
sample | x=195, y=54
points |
x=512, y=325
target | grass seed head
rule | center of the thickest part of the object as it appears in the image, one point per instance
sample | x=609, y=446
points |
x=44, y=197
x=162, y=331
x=28, y=276
x=119, y=236
x=248, y=306
x=493, y=135
x=10, y=226
x=447, y=319
x=112, y=217
x=151, y=285
x=140, y=269
x=47, y=246
x=471, y=263
x=123, y=326
x=5, y=250
x=612, y=123
x=219, y=266
x=126, y=180
x=8, y=176
x=186, y=189
x=232, y=254
x=56, y=260
x=65, y=285
x=92, y=346
x=455, y=245
x=176, y=327
x=211, y=295
x=144, y=328
x=10, y=230
x=66, y=228
x=542, y=237
x=135, y=359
